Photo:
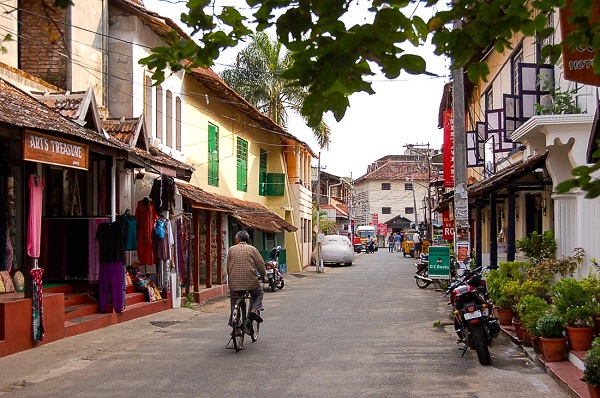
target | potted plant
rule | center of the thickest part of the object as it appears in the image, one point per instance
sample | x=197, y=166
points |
x=531, y=308
x=552, y=340
x=502, y=290
x=591, y=373
x=574, y=303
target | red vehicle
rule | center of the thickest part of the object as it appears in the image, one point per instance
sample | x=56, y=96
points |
x=357, y=244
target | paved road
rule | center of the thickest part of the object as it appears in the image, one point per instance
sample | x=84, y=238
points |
x=359, y=331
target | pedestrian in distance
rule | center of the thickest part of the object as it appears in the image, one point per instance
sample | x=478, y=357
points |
x=417, y=242
x=391, y=242
x=244, y=265
x=398, y=242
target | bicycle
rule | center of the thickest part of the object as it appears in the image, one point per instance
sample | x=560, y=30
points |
x=241, y=323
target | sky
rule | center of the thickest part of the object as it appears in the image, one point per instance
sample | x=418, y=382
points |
x=402, y=111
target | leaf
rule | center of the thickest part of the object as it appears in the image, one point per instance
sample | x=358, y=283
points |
x=478, y=70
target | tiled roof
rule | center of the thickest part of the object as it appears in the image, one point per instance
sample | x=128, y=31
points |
x=397, y=170
x=79, y=106
x=20, y=109
x=162, y=25
x=124, y=129
x=340, y=210
x=251, y=214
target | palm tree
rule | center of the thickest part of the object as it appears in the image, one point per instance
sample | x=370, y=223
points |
x=256, y=76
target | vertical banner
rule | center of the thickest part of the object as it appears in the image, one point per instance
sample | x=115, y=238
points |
x=577, y=63
x=448, y=149
x=448, y=220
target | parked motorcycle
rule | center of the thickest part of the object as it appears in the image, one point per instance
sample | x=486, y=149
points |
x=474, y=321
x=422, y=278
x=274, y=277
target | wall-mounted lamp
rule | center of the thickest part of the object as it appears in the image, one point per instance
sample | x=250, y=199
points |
x=543, y=206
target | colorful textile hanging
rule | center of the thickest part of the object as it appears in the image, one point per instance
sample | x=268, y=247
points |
x=37, y=306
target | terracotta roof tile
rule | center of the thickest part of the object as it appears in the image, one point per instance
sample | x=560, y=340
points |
x=398, y=170
x=251, y=214
x=20, y=109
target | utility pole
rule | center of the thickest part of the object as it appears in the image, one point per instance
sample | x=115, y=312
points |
x=318, y=195
x=461, y=198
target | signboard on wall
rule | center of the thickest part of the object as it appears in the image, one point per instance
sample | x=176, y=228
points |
x=448, y=221
x=577, y=63
x=382, y=229
x=448, y=149
x=38, y=147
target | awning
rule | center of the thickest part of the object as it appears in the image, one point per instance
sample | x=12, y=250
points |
x=508, y=175
x=252, y=215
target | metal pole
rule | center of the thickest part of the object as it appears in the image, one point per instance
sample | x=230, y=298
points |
x=318, y=265
x=461, y=198
x=415, y=204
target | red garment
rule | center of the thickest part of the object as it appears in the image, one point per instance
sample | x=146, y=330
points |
x=34, y=226
x=146, y=216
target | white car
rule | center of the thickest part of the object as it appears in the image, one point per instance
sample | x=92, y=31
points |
x=335, y=249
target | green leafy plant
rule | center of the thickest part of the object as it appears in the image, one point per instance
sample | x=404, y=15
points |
x=531, y=309
x=591, y=373
x=561, y=102
x=189, y=302
x=538, y=247
x=504, y=283
x=583, y=179
x=573, y=302
x=550, y=327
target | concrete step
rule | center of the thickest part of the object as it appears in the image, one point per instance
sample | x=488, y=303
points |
x=87, y=323
x=78, y=298
x=80, y=310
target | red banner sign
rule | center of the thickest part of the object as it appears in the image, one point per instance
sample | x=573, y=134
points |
x=382, y=229
x=577, y=63
x=448, y=149
x=375, y=218
x=448, y=222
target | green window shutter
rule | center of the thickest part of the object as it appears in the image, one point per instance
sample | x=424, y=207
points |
x=275, y=184
x=213, y=155
x=262, y=173
x=242, y=165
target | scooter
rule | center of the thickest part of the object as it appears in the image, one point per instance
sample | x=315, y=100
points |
x=422, y=278
x=274, y=277
x=474, y=321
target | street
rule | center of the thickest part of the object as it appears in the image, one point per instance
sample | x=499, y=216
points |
x=363, y=330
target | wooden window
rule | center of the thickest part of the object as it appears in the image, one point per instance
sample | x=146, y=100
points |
x=409, y=210
x=408, y=186
x=386, y=186
x=262, y=173
x=275, y=184
x=242, y=165
x=386, y=210
x=213, y=155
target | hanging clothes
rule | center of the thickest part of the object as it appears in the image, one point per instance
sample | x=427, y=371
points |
x=34, y=230
x=130, y=231
x=37, y=305
x=163, y=193
x=111, y=236
x=112, y=280
x=146, y=216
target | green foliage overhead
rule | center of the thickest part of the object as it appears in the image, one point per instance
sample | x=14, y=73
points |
x=333, y=58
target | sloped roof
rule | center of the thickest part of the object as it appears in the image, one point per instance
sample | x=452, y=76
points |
x=251, y=214
x=21, y=109
x=340, y=210
x=397, y=170
x=79, y=106
x=162, y=25
x=126, y=130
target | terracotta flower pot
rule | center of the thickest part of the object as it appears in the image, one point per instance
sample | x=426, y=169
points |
x=594, y=391
x=554, y=350
x=518, y=329
x=535, y=343
x=580, y=339
x=505, y=316
x=526, y=338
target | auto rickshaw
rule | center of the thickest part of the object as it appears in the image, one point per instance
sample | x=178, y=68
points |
x=408, y=245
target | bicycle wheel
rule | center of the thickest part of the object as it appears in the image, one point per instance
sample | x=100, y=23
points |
x=255, y=326
x=238, y=320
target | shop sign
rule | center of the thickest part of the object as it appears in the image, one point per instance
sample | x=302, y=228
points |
x=448, y=221
x=448, y=149
x=382, y=229
x=577, y=63
x=44, y=148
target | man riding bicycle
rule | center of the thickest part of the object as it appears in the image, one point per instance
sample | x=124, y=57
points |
x=244, y=262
